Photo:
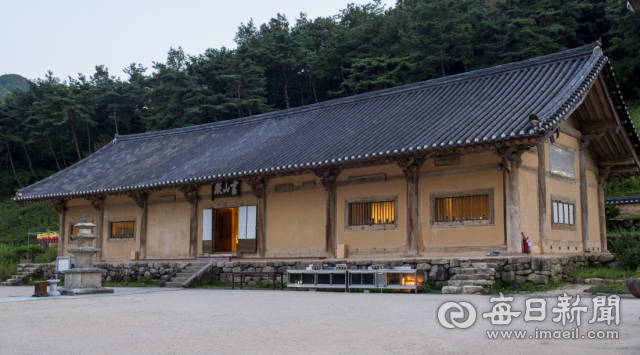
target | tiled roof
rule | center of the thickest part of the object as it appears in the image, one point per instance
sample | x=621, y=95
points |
x=488, y=105
x=622, y=200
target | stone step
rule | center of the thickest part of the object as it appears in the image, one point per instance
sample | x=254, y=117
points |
x=179, y=279
x=458, y=283
x=184, y=274
x=191, y=269
x=173, y=285
x=472, y=277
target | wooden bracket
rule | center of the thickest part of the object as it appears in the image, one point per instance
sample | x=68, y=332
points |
x=139, y=197
x=59, y=205
x=97, y=201
x=328, y=177
x=190, y=192
x=410, y=166
x=258, y=185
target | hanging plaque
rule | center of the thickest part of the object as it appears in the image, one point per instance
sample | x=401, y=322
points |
x=226, y=189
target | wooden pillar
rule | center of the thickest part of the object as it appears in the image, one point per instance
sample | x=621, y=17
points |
x=328, y=178
x=59, y=206
x=511, y=161
x=259, y=187
x=542, y=197
x=411, y=168
x=141, y=198
x=191, y=192
x=602, y=183
x=97, y=202
x=584, y=201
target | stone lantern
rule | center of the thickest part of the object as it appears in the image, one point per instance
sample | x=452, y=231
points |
x=84, y=279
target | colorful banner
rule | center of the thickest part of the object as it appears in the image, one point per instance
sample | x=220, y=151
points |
x=47, y=237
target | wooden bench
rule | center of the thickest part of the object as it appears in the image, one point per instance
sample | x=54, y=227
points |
x=242, y=274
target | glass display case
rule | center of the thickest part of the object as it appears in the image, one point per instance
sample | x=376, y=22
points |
x=372, y=278
x=317, y=278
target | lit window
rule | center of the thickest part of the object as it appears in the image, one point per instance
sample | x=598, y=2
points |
x=564, y=213
x=462, y=208
x=122, y=230
x=562, y=162
x=372, y=213
x=73, y=230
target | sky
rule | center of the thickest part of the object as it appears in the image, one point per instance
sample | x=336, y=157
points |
x=70, y=37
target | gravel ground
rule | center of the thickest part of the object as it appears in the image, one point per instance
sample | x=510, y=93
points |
x=198, y=321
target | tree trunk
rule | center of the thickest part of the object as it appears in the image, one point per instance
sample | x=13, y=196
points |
x=11, y=161
x=73, y=135
x=26, y=152
x=53, y=153
x=285, y=87
x=89, y=138
x=313, y=88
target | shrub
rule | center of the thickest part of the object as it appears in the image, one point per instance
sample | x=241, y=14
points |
x=627, y=250
x=27, y=252
x=7, y=255
x=7, y=270
x=48, y=256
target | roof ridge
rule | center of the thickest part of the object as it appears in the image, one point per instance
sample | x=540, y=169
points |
x=564, y=55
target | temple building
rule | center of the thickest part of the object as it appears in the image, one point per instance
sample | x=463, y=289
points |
x=470, y=162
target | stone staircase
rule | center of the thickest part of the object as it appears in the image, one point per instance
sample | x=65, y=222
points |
x=471, y=278
x=24, y=274
x=186, y=271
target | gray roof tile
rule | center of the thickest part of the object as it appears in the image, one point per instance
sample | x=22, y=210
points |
x=482, y=106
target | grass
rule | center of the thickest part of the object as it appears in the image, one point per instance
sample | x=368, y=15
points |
x=609, y=287
x=16, y=220
x=604, y=273
x=7, y=270
x=622, y=233
x=145, y=282
x=47, y=257
x=525, y=288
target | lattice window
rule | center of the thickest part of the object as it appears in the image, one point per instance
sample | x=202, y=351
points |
x=372, y=213
x=463, y=208
x=122, y=230
x=564, y=213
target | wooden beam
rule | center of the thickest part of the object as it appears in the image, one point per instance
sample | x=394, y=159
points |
x=141, y=198
x=511, y=160
x=598, y=126
x=259, y=187
x=542, y=197
x=584, y=208
x=328, y=179
x=60, y=207
x=632, y=169
x=593, y=136
x=616, y=160
x=618, y=120
x=571, y=132
x=602, y=182
x=97, y=202
x=411, y=168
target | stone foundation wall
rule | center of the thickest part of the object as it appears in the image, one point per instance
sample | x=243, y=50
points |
x=112, y=272
x=537, y=269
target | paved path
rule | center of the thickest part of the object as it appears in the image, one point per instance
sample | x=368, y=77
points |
x=197, y=321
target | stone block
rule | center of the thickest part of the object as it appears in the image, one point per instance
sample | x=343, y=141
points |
x=612, y=264
x=538, y=279
x=451, y=290
x=472, y=289
x=540, y=263
x=423, y=266
x=438, y=273
x=606, y=258
x=509, y=276
x=483, y=282
x=439, y=261
x=521, y=279
x=454, y=262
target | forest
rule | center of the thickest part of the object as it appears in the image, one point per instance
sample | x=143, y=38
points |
x=51, y=123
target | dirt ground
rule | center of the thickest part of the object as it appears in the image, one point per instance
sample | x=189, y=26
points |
x=198, y=321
